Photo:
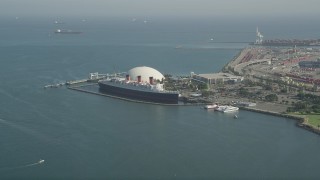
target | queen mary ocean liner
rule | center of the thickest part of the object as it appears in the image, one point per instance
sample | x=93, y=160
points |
x=142, y=84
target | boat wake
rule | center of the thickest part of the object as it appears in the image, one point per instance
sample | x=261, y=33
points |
x=18, y=127
x=41, y=161
x=34, y=164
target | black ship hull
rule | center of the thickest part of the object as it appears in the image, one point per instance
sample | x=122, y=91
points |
x=156, y=97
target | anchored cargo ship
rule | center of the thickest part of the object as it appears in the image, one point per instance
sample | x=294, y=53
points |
x=139, y=89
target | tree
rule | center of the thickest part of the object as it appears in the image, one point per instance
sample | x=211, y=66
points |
x=284, y=90
x=300, y=106
x=316, y=106
x=243, y=92
x=268, y=87
x=202, y=86
x=268, y=81
x=206, y=93
x=249, y=82
x=271, y=97
x=301, y=95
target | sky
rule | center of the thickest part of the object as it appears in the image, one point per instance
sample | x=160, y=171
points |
x=160, y=8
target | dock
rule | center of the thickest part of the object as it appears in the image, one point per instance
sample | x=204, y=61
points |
x=76, y=81
x=93, y=77
x=54, y=85
x=66, y=83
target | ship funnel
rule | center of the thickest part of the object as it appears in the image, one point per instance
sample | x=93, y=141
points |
x=151, y=80
x=139, y=79
x=127, y=77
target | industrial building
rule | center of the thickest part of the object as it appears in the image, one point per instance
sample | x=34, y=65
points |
x=216, y=78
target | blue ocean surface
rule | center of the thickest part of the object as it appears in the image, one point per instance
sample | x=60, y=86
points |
x=85, y=136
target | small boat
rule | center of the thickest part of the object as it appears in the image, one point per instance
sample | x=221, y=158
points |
x=235, y=116
x=66, y=31
x=58, y=22
x=41, y=161
x=211, y=106
x=196, y=95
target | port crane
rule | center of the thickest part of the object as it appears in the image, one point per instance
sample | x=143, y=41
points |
x=259, y=37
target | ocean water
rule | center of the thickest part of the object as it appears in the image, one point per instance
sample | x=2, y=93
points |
x=82, y=136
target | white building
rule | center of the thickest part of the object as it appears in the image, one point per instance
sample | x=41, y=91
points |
x=216, y=78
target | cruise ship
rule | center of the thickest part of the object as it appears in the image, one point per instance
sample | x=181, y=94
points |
x=137, y=88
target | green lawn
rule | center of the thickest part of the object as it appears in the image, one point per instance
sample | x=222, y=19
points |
x=314, y=119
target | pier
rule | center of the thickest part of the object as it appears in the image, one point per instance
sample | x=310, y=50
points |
x=93, y=77
x=76, y=81
x=54, y=85
x=66, y=83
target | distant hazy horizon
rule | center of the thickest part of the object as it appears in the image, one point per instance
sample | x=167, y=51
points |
x=257, y=9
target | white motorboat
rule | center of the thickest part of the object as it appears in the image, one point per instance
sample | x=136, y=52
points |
x=227, y=109
x=211, y=106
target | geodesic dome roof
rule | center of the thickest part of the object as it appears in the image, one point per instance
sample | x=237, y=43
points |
x=145, y=73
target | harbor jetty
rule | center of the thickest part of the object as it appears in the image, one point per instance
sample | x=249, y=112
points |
x=54, y=85
x=93, y=77
x=76, y=81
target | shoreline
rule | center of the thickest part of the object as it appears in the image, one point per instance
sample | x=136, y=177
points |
x=301, y=121
x=274, y=109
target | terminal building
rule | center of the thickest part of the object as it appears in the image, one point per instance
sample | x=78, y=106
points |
x=216, y=78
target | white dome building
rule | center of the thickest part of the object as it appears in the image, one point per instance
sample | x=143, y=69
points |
x=145, y=73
